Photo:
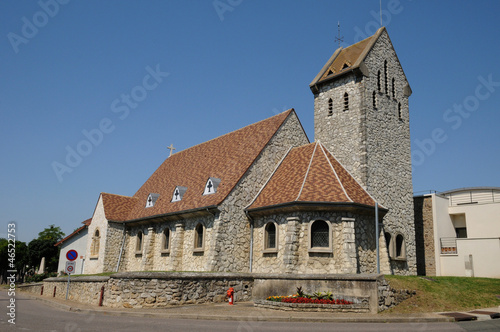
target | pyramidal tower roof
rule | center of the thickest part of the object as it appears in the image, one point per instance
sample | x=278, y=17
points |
x=347, y=60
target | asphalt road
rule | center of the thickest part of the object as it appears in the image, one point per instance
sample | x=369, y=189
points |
x=35, y=315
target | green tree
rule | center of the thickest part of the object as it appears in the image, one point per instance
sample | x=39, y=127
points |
x=20, y=257
x=52, y=233
x=43, y=246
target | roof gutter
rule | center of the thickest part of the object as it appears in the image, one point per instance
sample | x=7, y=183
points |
x=170, y=214
x=318, y=204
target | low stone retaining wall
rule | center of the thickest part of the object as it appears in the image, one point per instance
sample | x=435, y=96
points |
x=355, y=307
x=35, y=288
x=82, y=289
x=161, y=289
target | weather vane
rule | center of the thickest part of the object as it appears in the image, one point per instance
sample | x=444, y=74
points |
x=339, y=39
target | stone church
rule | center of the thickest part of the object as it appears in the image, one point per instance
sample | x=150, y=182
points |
x=264, y=199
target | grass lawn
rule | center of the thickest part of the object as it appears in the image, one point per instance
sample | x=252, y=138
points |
x=436, y=294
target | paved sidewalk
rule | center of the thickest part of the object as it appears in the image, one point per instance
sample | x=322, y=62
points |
x=242, y=311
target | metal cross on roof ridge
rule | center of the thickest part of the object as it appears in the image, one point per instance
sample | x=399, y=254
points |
x=339, y=39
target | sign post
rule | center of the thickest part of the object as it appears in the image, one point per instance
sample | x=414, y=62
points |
x=71, y=255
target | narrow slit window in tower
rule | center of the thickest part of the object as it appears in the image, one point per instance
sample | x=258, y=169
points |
x=346, y=101
x=385, y=78
x=378, y=81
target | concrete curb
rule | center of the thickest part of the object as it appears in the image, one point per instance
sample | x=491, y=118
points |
x=251, y=316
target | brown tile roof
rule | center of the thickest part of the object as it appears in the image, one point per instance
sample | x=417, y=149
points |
x=311, y=174
x=76, y=231
x=227, y=157
x=346, y=59
x=117, y=207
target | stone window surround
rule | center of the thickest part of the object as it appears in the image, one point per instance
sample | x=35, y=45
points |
x=139, y=242
x=197, y=249
x=327, y=250
x=267, y=250
x=96, y=240
x=166, y=250
x=402, y=256
x=391, y=247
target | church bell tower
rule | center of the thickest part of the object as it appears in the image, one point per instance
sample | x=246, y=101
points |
x=361, y=115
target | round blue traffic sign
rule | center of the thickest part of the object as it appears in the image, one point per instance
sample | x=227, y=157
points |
x=71, y=255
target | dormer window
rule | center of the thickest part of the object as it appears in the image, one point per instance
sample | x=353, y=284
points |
x=211, y=186
x=152, y=198
x=345, y=66
x=178, y=193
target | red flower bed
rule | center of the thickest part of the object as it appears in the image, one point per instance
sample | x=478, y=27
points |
x=315, y=301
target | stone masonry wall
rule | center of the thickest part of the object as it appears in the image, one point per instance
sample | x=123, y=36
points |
x=113, y=245
x=373, y=143
x=424, y=234
x=341, y=131
x=353, y=244
x=389, y=177
x=160, y=290
x=180, y=254
x=232, y=228
x=82, y=289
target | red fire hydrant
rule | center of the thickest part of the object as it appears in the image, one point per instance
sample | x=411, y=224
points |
x=230, y=295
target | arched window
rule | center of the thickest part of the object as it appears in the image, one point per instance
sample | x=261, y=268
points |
x=139, y=242
x=400, y=247
x=270, y=236
x=385, y=78
x=388, y=242
x=374, y=99
x=330, y=106
x=94, y=250
x=320, y=234
x=199, y=233
x=378, y=81
x=399, y=111
x=346, y=101
x=393, y=88
x=165, y=243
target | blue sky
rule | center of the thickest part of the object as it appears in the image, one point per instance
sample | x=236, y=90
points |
x=200, y=69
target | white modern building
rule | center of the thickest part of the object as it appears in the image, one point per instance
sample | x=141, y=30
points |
x=458, y=232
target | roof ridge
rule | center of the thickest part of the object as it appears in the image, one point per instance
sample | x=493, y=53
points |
x=307, y=172
x=103, y=193
x=270, y=176
x=359, y=184
x=336, y=175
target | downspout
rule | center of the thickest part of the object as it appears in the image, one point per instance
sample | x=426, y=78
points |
x=121, y=250
x=251, y=240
